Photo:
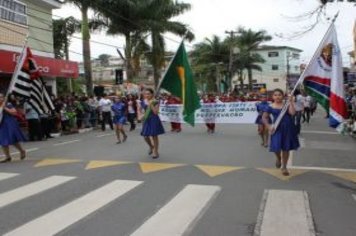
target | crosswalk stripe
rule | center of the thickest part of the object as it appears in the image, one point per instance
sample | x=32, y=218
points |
x=285, y=212
x=180, y=213
x=4, y=176
x=59, y=219
x=32, y=189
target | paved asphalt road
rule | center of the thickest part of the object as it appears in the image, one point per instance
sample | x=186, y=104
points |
x=206, y=185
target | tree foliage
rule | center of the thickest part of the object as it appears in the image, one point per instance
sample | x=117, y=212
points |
x=210, y=58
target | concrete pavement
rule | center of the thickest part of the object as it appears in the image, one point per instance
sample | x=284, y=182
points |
x=225, y=176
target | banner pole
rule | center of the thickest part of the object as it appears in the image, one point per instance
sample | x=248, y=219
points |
x=14, y=75
x=301, y=77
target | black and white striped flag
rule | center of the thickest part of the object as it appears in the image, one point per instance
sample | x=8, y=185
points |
x=28, y=84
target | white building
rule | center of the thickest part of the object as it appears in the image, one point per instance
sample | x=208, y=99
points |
x=33, y=18
x=275, y=70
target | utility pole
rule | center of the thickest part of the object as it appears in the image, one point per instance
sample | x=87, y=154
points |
x=231, y=34
x=287, y=76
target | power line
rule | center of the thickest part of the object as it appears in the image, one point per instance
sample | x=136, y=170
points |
x=122, y=17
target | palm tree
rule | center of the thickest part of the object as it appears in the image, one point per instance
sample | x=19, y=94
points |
x=248, y=41
x=123, y=17
x=134, y=19
x=210, y=58
x=63, y=29
x=84, y=6
x=159, y=22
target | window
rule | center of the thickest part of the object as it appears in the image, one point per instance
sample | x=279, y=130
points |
x=296, y=68
x=274, y=67
x=14, y=11
x=276, y=80
x=296, y=56
x=273, y=54
x=254, y=81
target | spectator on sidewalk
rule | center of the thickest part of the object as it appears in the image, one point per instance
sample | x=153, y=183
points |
x=105, y=107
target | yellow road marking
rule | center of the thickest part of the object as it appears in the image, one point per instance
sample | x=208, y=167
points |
x=213, y=171
x=153, y=167
x=52, y=162
x=350, y=176
x=100, y=164
x=278, y=173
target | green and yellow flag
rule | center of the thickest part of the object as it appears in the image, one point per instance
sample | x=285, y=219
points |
x=179, y=81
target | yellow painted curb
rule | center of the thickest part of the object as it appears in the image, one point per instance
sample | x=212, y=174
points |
x=350, y=176
x=52, y=162
x=213, y=171
x=278, y=173
x=147, y=167
x=101, y=164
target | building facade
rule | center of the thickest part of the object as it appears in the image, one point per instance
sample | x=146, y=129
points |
x=281, y=68
x=32, y=18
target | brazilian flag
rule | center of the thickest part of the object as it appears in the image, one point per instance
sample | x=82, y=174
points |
x=179, y=81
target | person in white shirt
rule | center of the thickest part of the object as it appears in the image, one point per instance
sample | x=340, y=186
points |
x=105, y=108
x=299, y=108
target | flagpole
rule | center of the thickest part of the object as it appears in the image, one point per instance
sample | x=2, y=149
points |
x=169, y=65
x=301, y=77
x=14, y=75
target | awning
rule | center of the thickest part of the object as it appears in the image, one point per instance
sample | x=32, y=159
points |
x=49, y=67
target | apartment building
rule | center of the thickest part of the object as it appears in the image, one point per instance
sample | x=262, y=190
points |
x=281, y=68
x=32, y=18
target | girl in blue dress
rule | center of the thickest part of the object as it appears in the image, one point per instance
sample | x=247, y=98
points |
x=262, y=128
x=285, y=137
x=152, y=125
x=119, y=109
x=10, y=132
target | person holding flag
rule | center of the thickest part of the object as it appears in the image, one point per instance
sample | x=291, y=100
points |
x=152, y=125
x=10, y=132
x=284, y=138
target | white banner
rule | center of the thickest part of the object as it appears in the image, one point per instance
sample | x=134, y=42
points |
x=230, y=113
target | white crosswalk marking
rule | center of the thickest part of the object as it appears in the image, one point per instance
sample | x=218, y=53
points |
x=32, y=189
x=180, y=213
x=59, y=219
x=285, y=212
x=7, y=175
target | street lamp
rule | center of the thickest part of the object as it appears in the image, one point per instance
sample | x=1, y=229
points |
x=232, y=50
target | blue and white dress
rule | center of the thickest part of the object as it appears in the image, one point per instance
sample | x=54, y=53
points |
x=10, y=132
x=285, y=138
x=152, y=125
x=119, y=109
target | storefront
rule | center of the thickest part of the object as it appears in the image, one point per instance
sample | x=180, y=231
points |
x=50, y=69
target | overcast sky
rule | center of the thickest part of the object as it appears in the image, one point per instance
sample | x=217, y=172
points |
x=209, y=17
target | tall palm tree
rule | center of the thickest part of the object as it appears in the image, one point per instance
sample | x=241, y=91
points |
x=210, y=58
x=123, y=17
x=248, y=41
x=84, y=6
x=159, y=21
x=63, y=29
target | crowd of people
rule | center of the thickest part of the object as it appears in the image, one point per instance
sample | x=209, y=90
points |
x=73, y=113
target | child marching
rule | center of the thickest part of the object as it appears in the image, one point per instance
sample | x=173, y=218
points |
x=119, y=110
x=285, y=138
x=152, y=125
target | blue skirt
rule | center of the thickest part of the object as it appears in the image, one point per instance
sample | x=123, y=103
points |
x=119, y=120
x=285, y=138
x=10, y=132
x=152, y=126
